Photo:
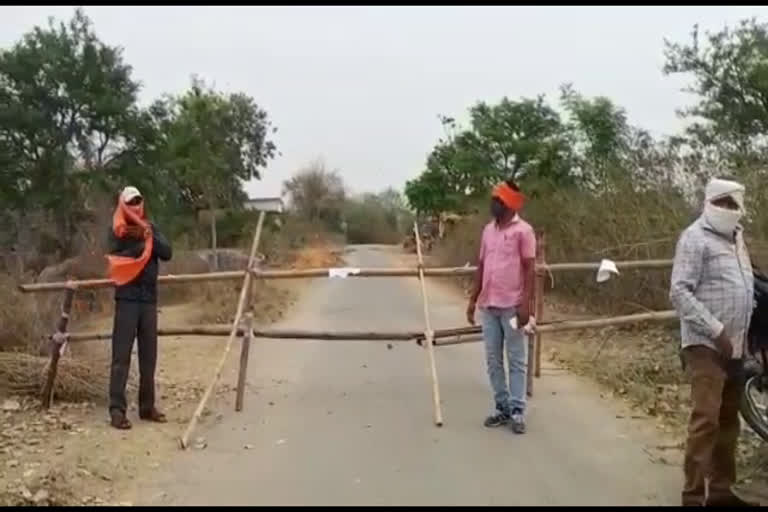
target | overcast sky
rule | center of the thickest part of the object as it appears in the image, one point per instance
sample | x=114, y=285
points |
x=361, y=87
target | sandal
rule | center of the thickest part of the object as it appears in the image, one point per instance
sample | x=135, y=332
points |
x=120, y=422
x=153, y=415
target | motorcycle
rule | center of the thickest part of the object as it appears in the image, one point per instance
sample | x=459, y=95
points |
x=754, y=398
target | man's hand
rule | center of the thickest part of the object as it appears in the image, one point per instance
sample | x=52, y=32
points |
x=471, y=312
x=523, y=315
x=724, y=345
x=147, y=233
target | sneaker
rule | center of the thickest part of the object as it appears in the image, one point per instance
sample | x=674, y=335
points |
x=496, y=420
x=518, y=422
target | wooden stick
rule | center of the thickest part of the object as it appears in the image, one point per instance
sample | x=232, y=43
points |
x=323, y=272
x=107, y=283
x=184, y=440
x=242, y=374
x=458, y=332
x=573, y=325
x=428, y=333
x=58, y=340
x=541, y=258
x=224, y=330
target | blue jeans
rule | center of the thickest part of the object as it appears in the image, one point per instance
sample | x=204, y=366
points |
x=496, y=332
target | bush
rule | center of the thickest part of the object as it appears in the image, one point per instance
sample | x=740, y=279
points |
x=368, y=222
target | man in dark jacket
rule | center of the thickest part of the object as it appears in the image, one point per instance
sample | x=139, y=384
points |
x=135, y=246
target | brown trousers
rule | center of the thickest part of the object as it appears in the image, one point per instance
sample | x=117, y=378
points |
x=713, y=428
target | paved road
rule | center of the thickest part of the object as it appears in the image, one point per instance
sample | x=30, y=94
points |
x=341, y=423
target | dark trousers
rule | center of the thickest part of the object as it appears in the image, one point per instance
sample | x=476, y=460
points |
x=133, y=320
x=713, y=428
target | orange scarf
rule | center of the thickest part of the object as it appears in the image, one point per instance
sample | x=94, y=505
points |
x=509, y=196
x=124, y=269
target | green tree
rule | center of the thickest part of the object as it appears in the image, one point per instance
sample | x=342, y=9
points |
x=519, y=138
x=729, y=69
x=599, y=134
x=214, y=142
x=524, y=140
x=67, y=109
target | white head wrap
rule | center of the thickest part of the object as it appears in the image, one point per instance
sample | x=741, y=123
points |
x=718, y=188
x=723, y=220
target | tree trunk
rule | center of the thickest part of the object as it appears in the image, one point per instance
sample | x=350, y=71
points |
x=214, y=251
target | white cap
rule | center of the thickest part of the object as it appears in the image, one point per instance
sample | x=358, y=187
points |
x=129, y=193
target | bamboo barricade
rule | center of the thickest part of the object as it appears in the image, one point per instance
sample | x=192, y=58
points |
x=242, y=373
x=428, y=333
x=241, y=306
x=447, y=336
x=58, y=341
x=324, y=272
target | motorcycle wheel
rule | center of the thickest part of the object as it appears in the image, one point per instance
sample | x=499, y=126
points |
x=754, y=404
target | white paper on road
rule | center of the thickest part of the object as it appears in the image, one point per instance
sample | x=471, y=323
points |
x=607, y=267
x=342, y=272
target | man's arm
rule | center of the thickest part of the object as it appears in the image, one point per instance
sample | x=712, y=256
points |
x=686, y=272
x=477, y=285
x=161, y=245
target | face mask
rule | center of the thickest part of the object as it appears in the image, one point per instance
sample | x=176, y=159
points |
x=722, y=220
x=498, y=209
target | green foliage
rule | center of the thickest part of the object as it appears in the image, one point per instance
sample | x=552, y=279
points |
x=213, y=142
x=67, y=119
x=376, y=218
x=72, y=133
x=730, y=79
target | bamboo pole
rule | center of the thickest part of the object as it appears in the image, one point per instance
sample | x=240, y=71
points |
x=323, y=272
x=286, y=334
x=574, y=325
x=428, y=333
x=418, y=336
x=58, y=340
x=242, y=373
x=184, y=440
x=541, y=258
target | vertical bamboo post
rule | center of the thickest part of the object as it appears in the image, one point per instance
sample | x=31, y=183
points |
x=58, y=340
x=184, y=440
x=244, y=352
x=541, y=259
x=428, y=333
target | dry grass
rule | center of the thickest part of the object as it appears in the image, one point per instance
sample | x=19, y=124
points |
x=24, y=375
x=25, y=320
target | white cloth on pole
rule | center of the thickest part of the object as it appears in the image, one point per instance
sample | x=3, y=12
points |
x=607, y=267
x=342, y=272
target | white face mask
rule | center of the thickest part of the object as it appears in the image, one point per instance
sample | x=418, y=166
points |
x=722, y=220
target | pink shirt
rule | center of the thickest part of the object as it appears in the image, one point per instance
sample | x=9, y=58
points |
x=501, y=252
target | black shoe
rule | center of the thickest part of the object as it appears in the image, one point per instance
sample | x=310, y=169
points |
x=730, y=500
x=497, y=420
x=518, y=421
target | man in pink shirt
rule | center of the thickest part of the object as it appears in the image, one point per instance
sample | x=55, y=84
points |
x=503, y=289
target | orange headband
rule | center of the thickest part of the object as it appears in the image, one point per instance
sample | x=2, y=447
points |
x=509, y=196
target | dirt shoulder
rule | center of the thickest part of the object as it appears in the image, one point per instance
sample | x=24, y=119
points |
x=69, y=455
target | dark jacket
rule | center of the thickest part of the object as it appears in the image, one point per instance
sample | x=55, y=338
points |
x=144, y=287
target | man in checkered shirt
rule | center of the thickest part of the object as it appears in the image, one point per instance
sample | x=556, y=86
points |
x=711, y=289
